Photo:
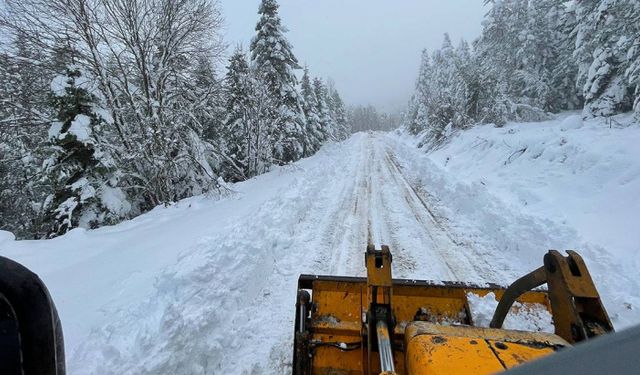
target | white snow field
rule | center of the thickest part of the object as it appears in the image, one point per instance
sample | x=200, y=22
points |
x=207, y=286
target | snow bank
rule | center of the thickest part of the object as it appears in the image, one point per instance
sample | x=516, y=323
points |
x=586, y=175
x=6, y=236
x=187, y=289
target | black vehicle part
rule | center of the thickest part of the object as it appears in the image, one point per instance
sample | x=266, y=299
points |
x=31, y=340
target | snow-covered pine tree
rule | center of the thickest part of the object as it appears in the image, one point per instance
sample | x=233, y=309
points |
x=80, y=172
x=475, y=94
x=465, y=87
x=500, y=37
x=633, y=53
x=418, y=119
x=313, y=132
x=441, y=109
x=564, y=69
x=410, y=115
x=338, y=114
x=274, y=63
x=237, y=125
x=207, y=113
x=526, y=62
x=604, y=39
x=536, y=55
x=328, y=98
x=322, y=109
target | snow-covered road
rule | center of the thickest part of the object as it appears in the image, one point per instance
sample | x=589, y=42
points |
x=208, y=286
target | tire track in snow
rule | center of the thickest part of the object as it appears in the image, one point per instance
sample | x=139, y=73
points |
x=345, y=234
x=463, y=261
x=437, y=244
x=398, y=216
x=413, y=243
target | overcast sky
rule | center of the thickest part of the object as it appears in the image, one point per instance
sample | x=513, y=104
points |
x=370, y=48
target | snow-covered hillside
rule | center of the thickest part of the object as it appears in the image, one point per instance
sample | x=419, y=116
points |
x=208, y=285
x=577, y=183
x=585, y=175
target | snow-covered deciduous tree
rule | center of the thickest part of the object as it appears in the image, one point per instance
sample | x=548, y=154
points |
x=158, y=124
x=150, y=70
x=24, y=115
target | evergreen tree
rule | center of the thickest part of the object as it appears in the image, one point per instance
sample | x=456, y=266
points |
x=466, y=88
x=260, y=145
x=536, y=54
x=419, y=110
x=500, y=37
x=338, y=114
x=632, y=72
x=82, y=175
x=274, y=62
x=564, y=69
x=237, y=130
x=322, y=109
x=528, y=61
x=247, y=128
x=313, y=132
x=604, y=39
x=441, y=109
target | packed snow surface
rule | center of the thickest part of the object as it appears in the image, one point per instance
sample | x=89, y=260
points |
x=522, y=316
x=208, y=285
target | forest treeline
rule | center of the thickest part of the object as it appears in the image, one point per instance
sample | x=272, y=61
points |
x=533, y=58
x=110, y=108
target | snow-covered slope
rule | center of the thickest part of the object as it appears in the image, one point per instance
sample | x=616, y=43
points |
x=579, y=182
x=208, y=285
x=586, y=175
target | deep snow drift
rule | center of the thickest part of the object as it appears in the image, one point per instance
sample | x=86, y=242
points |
x=208, y=286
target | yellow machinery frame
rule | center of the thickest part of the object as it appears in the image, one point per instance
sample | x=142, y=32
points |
x=350, y=325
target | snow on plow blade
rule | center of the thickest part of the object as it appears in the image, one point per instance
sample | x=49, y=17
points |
x=373, y=325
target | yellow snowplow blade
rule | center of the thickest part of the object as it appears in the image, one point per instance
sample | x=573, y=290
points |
x=380, y=325
x=340, y=303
